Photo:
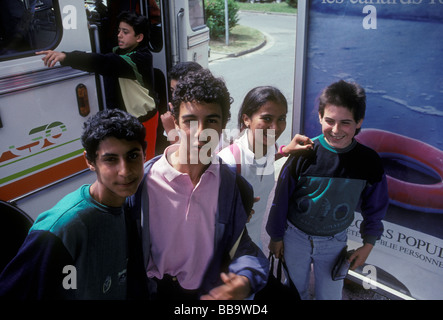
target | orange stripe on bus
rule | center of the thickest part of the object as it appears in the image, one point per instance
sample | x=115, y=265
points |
x=42, y=178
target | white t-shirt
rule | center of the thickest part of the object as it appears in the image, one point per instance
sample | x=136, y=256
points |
x=260, y=174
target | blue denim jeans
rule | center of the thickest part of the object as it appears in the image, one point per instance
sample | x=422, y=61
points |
x=301, y=249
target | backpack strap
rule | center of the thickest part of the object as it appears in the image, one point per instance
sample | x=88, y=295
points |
x=235, y=150
x=234, y=248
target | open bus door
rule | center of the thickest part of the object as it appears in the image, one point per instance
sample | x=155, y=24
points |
x=393, y=49
x=178, y=33
x=42, y=110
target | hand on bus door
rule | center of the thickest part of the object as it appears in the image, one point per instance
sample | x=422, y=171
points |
x=299, y=142
x=52, y=57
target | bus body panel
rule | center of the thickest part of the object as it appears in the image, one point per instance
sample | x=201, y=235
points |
x=40, y=116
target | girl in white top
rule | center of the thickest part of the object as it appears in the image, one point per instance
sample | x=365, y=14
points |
x=261, y=121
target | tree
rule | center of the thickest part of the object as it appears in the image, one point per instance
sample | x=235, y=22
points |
x=215, y=16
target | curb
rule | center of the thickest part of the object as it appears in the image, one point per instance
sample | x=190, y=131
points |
x=219, y=55
x=236, y=54
x=269, y=12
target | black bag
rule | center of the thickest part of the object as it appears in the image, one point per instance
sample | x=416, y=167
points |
x=275, y=289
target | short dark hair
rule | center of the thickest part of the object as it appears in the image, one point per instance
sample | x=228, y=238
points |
x=138, y=22
x=111, y=123
x=202, y=86
x=349, y=95
x=181, y=69
x=256, y=98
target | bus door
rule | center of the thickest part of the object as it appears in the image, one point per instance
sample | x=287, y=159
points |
x=192, y=33
x=177, y=33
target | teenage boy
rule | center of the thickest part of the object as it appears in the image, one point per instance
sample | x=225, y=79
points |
x=78, y=249
x=131, y=59
x=177, y=72
x=191, y=211
x=318, y=191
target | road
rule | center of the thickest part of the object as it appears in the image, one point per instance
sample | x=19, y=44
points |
x=271, y=65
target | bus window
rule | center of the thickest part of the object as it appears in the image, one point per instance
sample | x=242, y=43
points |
x=27, y=26
x=196, y=14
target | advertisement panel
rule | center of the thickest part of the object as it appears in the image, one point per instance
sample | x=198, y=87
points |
x=394, y=50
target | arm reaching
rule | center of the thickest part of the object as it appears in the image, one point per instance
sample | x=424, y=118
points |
x=299, y=142
x=52, y=57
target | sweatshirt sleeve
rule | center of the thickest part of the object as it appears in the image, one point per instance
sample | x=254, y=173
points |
x=374, y=204
x=249, y=261
x=110, y=64
x=276, y=224
x=36, y=272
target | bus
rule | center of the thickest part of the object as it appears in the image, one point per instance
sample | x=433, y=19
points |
x=42, y=109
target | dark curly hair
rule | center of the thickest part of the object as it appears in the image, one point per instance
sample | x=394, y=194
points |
x=202, y=86
x=111, y=123
x=181, y=69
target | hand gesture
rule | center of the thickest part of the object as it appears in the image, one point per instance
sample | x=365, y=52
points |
x=299, y=142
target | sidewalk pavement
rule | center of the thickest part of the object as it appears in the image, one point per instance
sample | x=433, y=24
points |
x=213, y=55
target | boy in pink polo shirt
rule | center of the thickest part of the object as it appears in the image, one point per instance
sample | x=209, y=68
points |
x=193, y=209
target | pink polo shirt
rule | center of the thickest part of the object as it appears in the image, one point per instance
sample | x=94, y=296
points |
x=181, y=221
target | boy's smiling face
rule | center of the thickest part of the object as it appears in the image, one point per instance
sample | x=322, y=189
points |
x=338, y=126
x=119, y=169
x=202, y=124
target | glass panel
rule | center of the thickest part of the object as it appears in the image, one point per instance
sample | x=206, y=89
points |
x=103, y=14
x=196, y=13
x=156, y=42
x=98, y=14
x=26, y=26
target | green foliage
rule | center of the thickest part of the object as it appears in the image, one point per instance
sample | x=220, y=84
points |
x=282, y=6
x=215, y=16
